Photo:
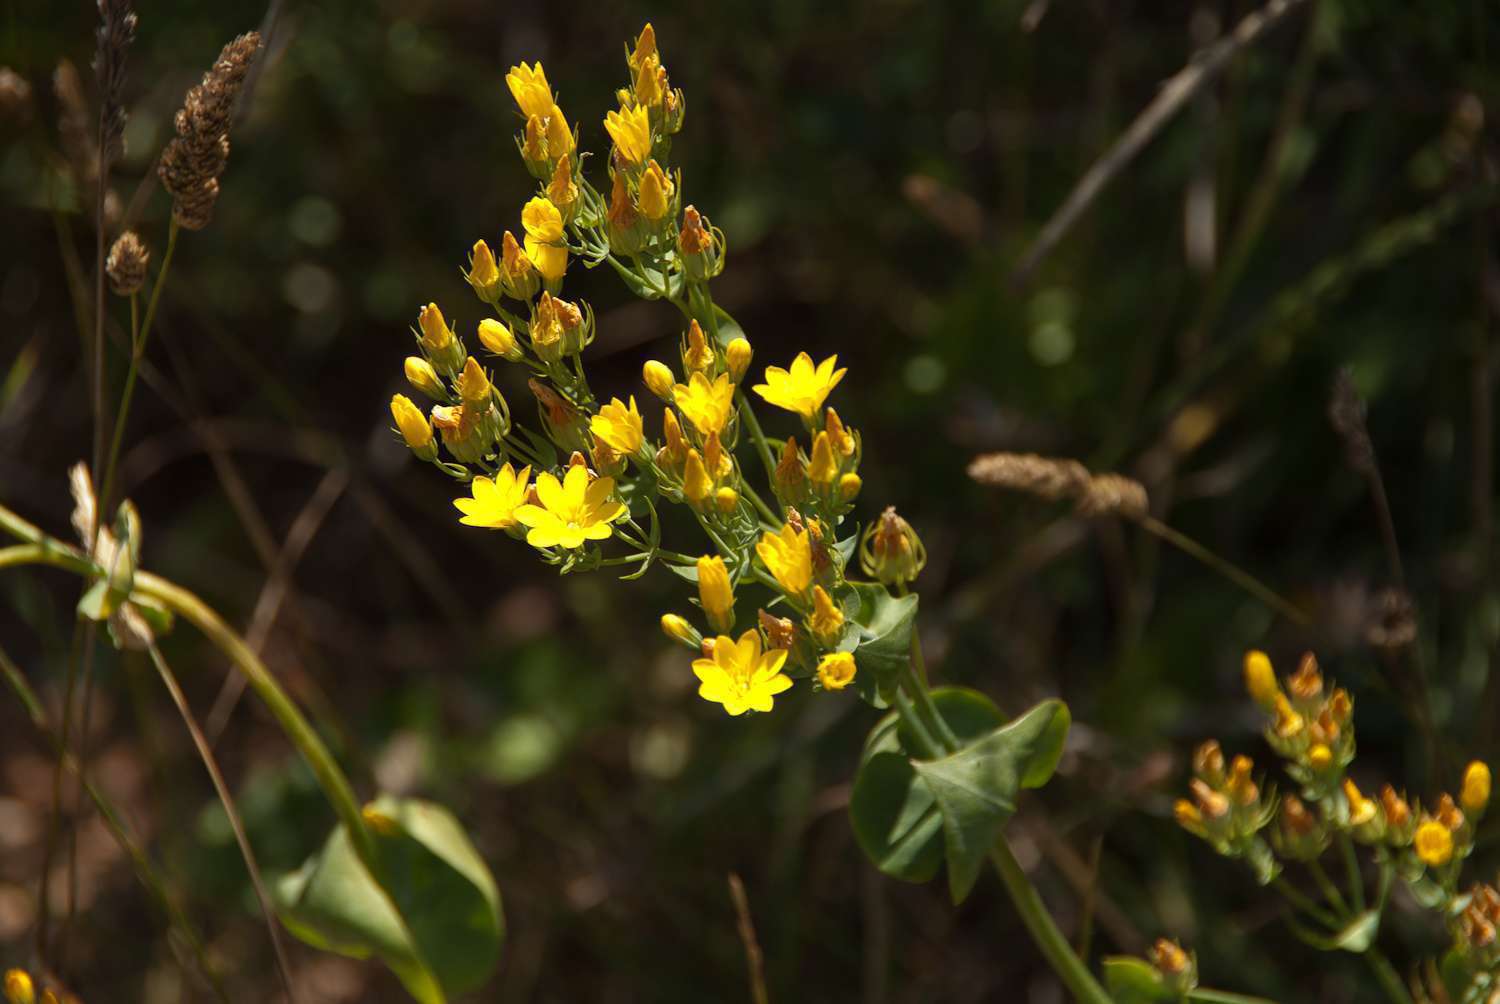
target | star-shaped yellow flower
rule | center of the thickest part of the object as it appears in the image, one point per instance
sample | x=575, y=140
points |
x=494, y=503
x=707, y=405
x=740, y=676
x=631, y=131
x=571, y=511
x=804, y=388
x=618, y=426
x=787, y=556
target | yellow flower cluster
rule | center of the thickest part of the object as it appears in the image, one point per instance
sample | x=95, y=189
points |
x=592, y=474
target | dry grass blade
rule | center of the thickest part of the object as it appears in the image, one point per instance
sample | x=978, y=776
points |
x=227, y=800
x=1174, y=94
x=753, y=957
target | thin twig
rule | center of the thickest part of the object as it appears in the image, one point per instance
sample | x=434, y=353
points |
x=227, y=800
x=753, y=958
x=1175, y=93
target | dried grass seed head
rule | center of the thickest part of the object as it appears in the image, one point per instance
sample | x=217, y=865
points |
x=126, y=264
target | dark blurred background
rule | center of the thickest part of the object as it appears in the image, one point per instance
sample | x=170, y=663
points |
x=878, y=168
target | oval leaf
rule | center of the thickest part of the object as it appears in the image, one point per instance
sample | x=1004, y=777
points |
x=432, y=912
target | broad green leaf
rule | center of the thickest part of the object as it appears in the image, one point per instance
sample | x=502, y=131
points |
x=1135, y=981
x=431, y=913
x=895, y=818
x=884, y=648
x=976, y=787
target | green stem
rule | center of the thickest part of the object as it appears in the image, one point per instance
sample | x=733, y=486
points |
x=930, y=747
x=762, y=447
x=1067, y=965
x=336, y=787
x=137, y=352
x=1304, y=904
x=1351, y=866
x=1389, y=979
x=1330, y=891
x=1229, y=570
x=1206, y=996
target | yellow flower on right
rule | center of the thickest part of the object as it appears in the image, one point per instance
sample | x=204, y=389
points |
x=804, y=387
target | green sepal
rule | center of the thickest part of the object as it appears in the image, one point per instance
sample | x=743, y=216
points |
x=1135, y=981
x=431, y=911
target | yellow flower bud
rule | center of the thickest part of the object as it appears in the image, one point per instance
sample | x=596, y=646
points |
x=679, y=630
x=659, y=379
x=1260, y=680
x=414, y=427
x=518, y=275
x=473, y=386
x=694, y=238
x=715, y=592
x=436, y=335
x=645, y=48
x=18, y=987
x=1434, y=843
x=534, y=145
x=1475, y=794
x=727, y=500
x=561, y=191
x=849, y=486
x=655, y=199
x=1361, y=809
x=1319, y=756
x=559, y=136
x=1169, y=958
x=827, y=620
x=484, y=273
x=1307, y=683
x=696, y=484
x=497, y=337
x=836, y=670
x=738, y=355
x=842, y=438
x=648, y=91
x=789, y=479
x=421, y=375
x=824, y=468
x=1187, y=815
x=630, y=129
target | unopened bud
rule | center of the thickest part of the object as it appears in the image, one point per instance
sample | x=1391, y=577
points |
x=415, y=430
x=679, y=630
x=1475, y=793
x=715, y=592
x=891, y=551
x=421, y=375
x=484, y=273
x=738, y=355
x=18, y=987
x=1260, y=680
x=497, y=337
x=1307, y=683
x=696, y=484
x=727, y=500
x=659, y=379
x=126, y=264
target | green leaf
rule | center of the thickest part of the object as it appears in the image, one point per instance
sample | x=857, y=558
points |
x=1135, y=981
x=431, y=912
x=1457, y=972
x=895, y=818
x=976, y=787
x=884, y=647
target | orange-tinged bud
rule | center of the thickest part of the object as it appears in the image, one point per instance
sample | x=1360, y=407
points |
x=694, y=238
x=1341, y=707
x=676, y=448
x=1260, y=680
x=1210, y=803
x=891, y=551
x=1295, y=817
x=841, y=438
x=473, y=385
x=1169, y=958
x=826, y=621
x=1241, y=786
x=779, y=631
x=1449, y=814
x=1361, y=809
x=1307, y=683
x=1288, y=722
x=1208, y=762
x=789, y=478
x=1397, y=812
x=696, y=355
x=518, y=275
x=484, y=273
x=561, y=191
x=1187, y=815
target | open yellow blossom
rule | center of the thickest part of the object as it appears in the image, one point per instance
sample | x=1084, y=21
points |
x=787, y=555
x=630, y=129
x=542, y=220
x=550, y=260
x=715, y=592
x=571, y=511
x=707, y=405
x=528, y=85
x=1433, y=843
x=804, y=387
x=836, y=670
x=740, y=676
x=619, y=426
x=494, y=502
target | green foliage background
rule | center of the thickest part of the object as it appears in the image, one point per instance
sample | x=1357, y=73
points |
x=878, y=168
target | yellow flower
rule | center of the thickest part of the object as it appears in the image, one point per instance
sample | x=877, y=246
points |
x=436, y=335
x=849, y=486
x=18, y=987
x=648, y=84
x=787, y=556
x=727, y=500
x=645, y=47
x=473, y=385
x=494, y=503
x=802, y=389
x=836, y=670
x=740, y=676
x=1475, y=793
x=561, y=191
x=421, y=375
x=484, y=273
x=715, y=592
x=824, y=468
x=414, y=427
x=659, y=379
x=550, y=260
x=572, y=511
x=1434, y=843
x=631, y=131
x=1260, y=680
x=697, y=356
x=559, y=136
x=696, y=484
x=619, y=426
x=528, y=85
x=1361, y=809
x=542, y=220
x=498, y=338
x=827, y=620
x=707, y=405
x=738, y=354
x=656, y=193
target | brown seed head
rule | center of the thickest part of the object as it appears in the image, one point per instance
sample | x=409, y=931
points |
x=126, y=264
x=192, y=163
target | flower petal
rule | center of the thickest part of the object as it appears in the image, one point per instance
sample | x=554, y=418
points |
x=549, y=491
